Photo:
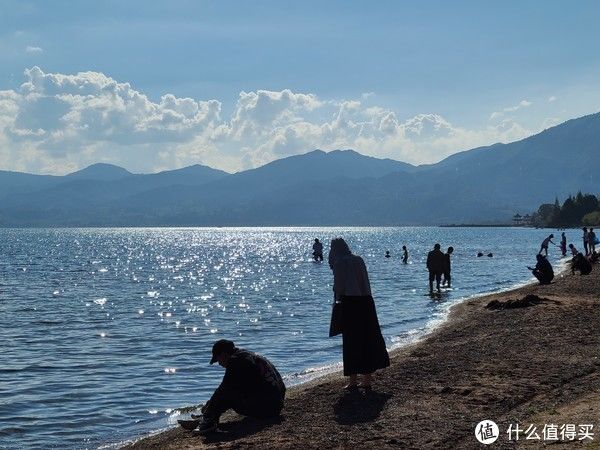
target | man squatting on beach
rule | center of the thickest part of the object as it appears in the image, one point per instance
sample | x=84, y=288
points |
x=542, y=270
x=251, y=386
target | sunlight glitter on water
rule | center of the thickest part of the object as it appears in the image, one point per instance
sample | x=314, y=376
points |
x=186, y=288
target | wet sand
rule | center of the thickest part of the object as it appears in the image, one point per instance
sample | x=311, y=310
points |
x=531, y=365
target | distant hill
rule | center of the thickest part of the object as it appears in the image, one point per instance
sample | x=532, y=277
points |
x=341, y=187
x=295, y=172
x=100, y=171
x=85, y=198
x=16, y=182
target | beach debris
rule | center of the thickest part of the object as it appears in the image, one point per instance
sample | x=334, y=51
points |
x=189, y=425
x=528, y=300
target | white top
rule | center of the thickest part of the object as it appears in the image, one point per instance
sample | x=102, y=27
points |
x=350, y=277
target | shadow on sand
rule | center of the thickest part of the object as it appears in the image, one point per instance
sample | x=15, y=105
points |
x=358, y=407
x=237, y=429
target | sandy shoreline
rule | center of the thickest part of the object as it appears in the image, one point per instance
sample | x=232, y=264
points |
x=533, y=365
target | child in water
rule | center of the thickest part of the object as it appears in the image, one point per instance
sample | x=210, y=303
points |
x=404, y=255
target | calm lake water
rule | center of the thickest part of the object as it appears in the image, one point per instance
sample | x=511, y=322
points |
x=107, y=332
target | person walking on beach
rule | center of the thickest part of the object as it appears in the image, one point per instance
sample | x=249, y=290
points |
x=364, y=349
x=251, y=386
x=435, y=265
x=545, y=242
x=317, y=250
x=563, y=244
x=591, y=241
x=404, y=255
x=543, y=270
x=585, y=240
x=447, y=267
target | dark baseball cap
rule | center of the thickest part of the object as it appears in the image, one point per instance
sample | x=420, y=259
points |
x=222, y=345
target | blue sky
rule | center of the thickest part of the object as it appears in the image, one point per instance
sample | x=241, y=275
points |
x=414, y=81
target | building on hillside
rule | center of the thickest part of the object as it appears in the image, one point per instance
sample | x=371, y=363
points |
x=517, y=220
x=522, y=221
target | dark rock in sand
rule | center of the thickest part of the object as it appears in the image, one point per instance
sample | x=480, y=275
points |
x=528, y=300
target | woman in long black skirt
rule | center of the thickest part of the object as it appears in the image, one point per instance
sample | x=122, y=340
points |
x=355, y=316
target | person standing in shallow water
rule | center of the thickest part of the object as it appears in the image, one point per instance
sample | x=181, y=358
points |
x=585, y=240
x=404, y=255
x=364, y=349
x=435, y=265
x=447, y=267
x=563, y=244
x=591, y=241
x=544, y=246
x=317, y=250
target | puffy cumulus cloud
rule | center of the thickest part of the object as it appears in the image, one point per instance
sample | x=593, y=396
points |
x=426, y=126
x=56, y=123
x=92, y=107
x=65, y=121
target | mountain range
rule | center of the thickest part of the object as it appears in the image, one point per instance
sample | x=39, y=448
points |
x=342, y=187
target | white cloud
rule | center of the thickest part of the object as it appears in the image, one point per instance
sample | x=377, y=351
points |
x=498, y=114
x=551, y=99
x=56, y=123
x=33, y=49
x=550, y=122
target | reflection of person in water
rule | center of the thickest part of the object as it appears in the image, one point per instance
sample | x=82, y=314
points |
x=447, y=266
x=581, y=263
x=404, y=255
x=543, y=270
x=317, y=250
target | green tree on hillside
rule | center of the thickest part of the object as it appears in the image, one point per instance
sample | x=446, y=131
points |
x=575, y=211
x=592, y=219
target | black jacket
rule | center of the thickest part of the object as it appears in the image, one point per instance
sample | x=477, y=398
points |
x=544, y=267
x=249, y=374
x=435, y=261
x=447, y=264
